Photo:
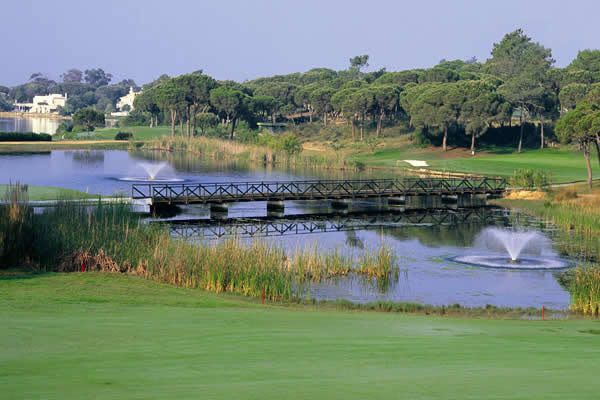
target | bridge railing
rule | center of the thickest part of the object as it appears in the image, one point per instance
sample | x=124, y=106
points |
x=307, y=189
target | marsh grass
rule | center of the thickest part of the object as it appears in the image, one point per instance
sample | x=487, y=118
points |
x=109, y=238
x=312, y=265
x=219, y=149
x=584, y=285
x=578, y=216
x=15, y=224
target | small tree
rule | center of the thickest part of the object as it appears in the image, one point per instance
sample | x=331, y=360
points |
x=290, y=144
x=88, y=118
x=206, y=120
x=581, y=126
x=229, y=102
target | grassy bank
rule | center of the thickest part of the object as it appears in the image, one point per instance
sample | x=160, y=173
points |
x=33, y=147
x=66, y=336
x=578, y=215
x=140, y=133
x=218, y=149
x=43, y=193
x=563, y=165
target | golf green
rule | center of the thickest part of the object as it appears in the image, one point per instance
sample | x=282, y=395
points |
x=76, y=336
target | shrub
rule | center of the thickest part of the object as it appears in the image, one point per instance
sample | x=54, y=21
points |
x=88, y=118
x=24, y=137
x=530, y=179
x=65, y=126
x=124, y=136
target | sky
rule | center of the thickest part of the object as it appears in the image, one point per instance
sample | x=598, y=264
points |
x=245, y=39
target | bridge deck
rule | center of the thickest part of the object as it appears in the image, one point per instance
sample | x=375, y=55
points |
x=203, y=193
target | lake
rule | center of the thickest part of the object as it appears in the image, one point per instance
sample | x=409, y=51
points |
x=33, y=124
x=424, y=249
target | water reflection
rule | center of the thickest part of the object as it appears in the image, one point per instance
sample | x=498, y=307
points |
x=29, y=124
x=424, y=243
x=422, y=246
x=93, y=159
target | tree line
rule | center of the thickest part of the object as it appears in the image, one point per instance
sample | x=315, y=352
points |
x=516, y=86
x=452, y=103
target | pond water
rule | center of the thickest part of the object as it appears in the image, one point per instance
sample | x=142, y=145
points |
x=425, y=247
x=35, y=125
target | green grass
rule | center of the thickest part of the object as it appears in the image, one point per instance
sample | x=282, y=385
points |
x=40, y=193
x=34, y=147
x=74, y=336
x=564, y=165
x=139, y=132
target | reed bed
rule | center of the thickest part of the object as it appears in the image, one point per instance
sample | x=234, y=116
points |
x=584, y=285
x=579, y=217
x=15, y=224
x=219, y=149
x=109, y=238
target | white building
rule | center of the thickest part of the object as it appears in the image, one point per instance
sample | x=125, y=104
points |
x=44, y=104
x=127, y=100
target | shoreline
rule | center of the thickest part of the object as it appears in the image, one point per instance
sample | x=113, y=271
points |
x=19, y=114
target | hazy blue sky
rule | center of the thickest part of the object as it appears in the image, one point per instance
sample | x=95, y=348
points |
x=237, y=39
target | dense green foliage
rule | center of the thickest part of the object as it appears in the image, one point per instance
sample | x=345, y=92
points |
x=24, y=137
x=530, y=179
x=582, y=126
x=87, y=119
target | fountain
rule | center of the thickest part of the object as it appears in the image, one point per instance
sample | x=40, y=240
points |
x=513, y=249
x=152, y=171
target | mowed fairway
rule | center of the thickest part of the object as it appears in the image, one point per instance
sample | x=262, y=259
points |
x=42, y=193
x=97, y=336
x=563, y=165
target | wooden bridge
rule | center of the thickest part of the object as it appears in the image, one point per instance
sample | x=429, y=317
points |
x=418, y=193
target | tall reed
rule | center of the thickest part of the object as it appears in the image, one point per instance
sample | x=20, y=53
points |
x=108, y=237
x=15, y=224
x=584, y=286
x=219, y=149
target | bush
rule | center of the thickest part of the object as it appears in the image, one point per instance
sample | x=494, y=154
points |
x=287, y=142
x=88, y=118
x=290, y=144
x=530, y=179
x=65, y=126
x=24, y=137
x=124, y=136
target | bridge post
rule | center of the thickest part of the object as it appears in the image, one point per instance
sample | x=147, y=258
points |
x=396, y=201
x=340, y=205
x=218, y=210
x=164, y=209
x=428, y=201
x=275, y=208
x=470, y=200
